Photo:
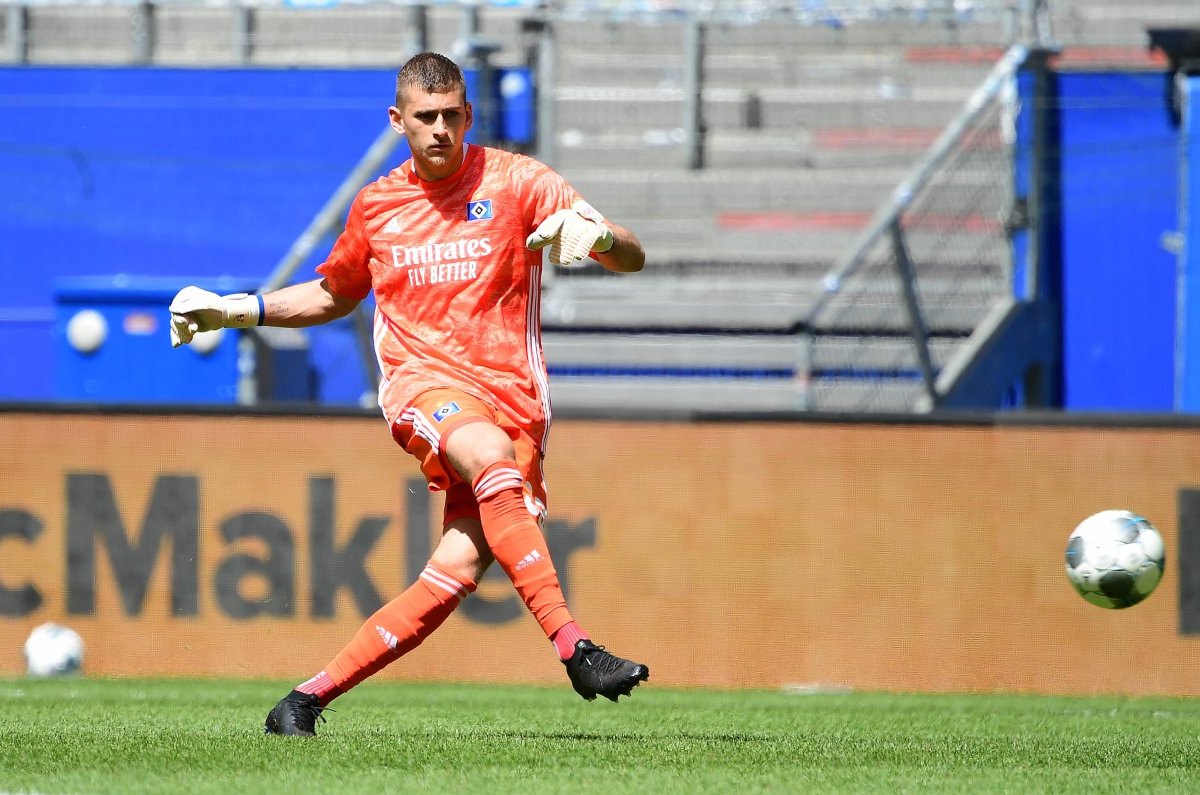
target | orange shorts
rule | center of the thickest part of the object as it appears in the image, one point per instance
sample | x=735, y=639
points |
x=428, y=421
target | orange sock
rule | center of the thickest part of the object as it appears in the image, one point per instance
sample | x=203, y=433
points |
x=517, y=543
x=394, y=630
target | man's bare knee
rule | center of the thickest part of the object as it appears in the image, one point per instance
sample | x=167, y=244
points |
x=474, y=447
x=463, y=553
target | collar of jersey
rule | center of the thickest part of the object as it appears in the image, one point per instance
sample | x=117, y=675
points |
x=415, y=179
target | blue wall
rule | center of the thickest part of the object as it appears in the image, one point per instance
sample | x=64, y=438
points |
x=196, y=174
x=167, y=172
x=1189, y=224
x=1120, y=195
x=185, y=174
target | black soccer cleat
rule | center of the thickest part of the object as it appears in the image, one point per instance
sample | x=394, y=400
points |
x=295, y=716
x=595, y=672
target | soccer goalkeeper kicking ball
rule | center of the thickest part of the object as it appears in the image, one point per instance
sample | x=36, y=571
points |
x=1115, y=559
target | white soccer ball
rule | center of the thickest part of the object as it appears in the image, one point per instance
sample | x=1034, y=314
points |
x=1115, y=559
x=53, y=650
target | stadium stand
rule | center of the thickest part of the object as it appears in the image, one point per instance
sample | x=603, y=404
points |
x=812, y=114
x=809, y=125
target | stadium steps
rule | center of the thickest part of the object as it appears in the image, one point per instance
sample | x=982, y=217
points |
x=1117, y=23
x=952, y=305
x=283, y=35
x=732, y=344
x=719, y=372
x=651, y=193
x=808, y=215
x=699, y=350
x=840, y=116
x=78, y=35
x=799, y=149
x=349, y=34
x=810, y=127
x=781, y=32
x=600, y=107
x=890, y=70
x=683, y=240
x=608, y=394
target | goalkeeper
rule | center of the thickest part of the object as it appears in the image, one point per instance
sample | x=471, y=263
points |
x=450, y=243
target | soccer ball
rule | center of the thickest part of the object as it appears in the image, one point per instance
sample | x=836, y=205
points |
x=53, y=650
x=1115, y=559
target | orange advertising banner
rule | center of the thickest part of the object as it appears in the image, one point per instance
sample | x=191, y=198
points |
x=811, y=554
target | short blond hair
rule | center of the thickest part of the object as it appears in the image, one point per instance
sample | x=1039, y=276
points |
x=431, y=72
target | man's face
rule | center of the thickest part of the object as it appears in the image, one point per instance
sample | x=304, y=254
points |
x=434, y=125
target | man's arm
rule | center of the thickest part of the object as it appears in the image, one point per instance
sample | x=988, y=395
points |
x=580, y=231
x=626, y=254
x=306, y=304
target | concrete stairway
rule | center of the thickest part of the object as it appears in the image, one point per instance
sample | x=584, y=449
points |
x=808, y=131
x=810, y=124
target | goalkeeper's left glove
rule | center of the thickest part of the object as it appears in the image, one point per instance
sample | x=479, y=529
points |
x=194, y=310
x=572, y=234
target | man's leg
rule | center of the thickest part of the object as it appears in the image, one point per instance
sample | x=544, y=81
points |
x=484, y=455
x=403, y=623
x=394, y=630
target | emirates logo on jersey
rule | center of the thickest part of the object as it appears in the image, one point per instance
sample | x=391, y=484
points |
x=439, y=263
x=437, y=252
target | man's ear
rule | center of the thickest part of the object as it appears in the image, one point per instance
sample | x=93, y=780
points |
x=470, y=117
x=396, y=118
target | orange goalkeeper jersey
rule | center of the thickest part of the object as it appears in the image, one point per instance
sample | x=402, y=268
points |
x=457, y=293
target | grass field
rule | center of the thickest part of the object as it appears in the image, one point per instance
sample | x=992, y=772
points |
x=185, y=736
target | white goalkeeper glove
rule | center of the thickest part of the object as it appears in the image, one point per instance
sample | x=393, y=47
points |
x=194, y=310
x=572, y=234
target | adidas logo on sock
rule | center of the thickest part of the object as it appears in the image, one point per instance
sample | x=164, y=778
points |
x=530, y=559
x=391, y=640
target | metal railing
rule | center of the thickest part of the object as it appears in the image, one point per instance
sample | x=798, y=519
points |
x=859, y=281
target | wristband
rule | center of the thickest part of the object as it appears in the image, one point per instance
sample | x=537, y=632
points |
x=242, y=310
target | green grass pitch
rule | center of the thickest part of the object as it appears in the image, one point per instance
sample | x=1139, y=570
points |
x=187, y=736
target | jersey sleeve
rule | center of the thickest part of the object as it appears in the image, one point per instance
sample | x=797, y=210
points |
x=347, y=269
x=543, y=192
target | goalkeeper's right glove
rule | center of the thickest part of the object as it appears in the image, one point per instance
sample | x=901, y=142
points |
x=194, y=310
x=572, y=234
